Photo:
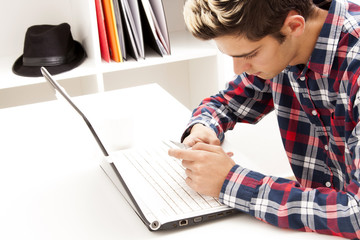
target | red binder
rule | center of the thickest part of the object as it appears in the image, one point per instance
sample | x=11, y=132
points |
x=104, y=46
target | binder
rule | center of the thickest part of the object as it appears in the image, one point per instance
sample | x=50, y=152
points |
x=135, y=12
x=119, y=28
x=104, y=46
x=161, y=23
x=111, y=30
x=132, y=12
x=129, y=30
x=155, y=26
x=129, y=26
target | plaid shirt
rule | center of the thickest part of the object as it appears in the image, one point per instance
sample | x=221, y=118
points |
x=317, y=108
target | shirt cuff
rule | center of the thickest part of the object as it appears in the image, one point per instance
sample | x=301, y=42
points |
x=239, y=187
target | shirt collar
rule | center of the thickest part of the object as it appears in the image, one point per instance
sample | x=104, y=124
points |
x=322, y=58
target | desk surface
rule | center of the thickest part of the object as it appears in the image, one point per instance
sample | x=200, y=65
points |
x=53, y=188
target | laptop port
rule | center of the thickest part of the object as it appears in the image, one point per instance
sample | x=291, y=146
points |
x=183, y=223
x=197, y=219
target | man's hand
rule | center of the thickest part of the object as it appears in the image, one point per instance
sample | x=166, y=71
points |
x=201, y=133
x=206, y=167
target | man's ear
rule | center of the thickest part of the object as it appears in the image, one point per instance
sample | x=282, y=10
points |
x=294, y=24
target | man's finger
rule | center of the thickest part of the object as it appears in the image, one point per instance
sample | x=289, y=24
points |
x=230, y=154
x=189, y=141
x=190, y=183
x=186, y=163
x=188, y=172
x=180, y=153
x=206, y=147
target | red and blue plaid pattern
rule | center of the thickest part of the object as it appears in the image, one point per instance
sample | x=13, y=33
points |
x=317, y=108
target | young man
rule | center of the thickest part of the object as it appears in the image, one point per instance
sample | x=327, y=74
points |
x=303, y=62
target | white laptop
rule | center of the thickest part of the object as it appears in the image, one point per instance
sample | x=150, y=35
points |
x=153, y=183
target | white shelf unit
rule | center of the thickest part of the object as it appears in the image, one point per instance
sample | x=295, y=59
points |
x=190, y=73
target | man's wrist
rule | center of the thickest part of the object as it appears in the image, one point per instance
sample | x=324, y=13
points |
x=188, y=130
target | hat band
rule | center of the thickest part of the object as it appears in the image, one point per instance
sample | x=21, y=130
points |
x=49, y=61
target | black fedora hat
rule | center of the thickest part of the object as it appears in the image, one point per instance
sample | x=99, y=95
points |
x=50, y=46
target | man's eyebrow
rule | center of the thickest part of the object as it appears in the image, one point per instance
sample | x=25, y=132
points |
x=246, y=54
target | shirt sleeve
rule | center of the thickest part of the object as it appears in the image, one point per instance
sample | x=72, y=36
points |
x=246, y=99
x=285, y=203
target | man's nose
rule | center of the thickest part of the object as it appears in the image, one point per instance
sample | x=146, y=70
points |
x=240, y=65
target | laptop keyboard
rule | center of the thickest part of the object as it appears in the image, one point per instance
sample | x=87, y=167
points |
x=167, y=176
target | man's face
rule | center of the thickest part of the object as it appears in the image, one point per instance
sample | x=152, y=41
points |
x=265, y=58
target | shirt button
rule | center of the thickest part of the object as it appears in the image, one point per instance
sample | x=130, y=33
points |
x=328, y=184
x=302, y=78
x=326, y=147
x=314, y=112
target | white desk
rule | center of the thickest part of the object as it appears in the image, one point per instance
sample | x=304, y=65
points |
x=53, y=188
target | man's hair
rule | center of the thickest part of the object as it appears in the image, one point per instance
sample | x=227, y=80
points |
x=254, y=19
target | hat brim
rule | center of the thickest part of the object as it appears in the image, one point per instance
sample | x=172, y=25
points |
x=26, y=71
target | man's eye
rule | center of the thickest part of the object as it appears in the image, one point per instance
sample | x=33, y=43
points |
x=250, y=56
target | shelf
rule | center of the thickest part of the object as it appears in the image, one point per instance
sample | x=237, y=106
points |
x=183, y=47
x=10, y=80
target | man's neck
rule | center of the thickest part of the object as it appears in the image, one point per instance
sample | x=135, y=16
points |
x=309, y=38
